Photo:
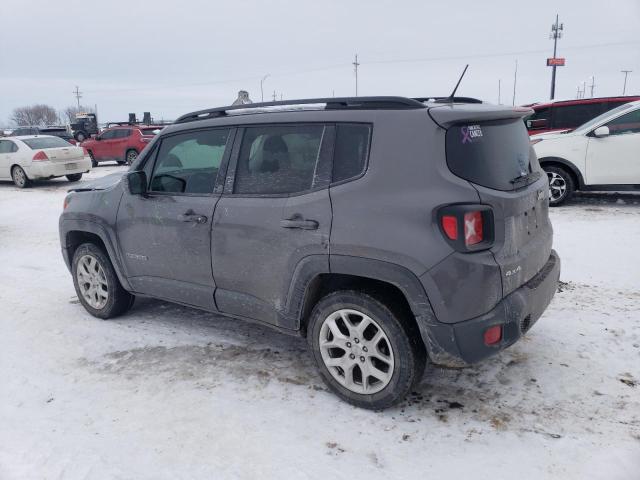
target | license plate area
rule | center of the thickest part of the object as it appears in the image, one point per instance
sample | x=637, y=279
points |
x=71, y=166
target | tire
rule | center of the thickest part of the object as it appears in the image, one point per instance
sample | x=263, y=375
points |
x=19, y=177
x=94, y=163
x=74, y=177
x=398, y=354
x=130, y=156
x=80, y=136
x=97, y=284
x=561, y=185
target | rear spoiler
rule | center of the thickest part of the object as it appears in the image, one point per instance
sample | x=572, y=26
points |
x=447, y=115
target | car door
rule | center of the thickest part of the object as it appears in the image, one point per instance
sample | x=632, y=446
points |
x=104, y=144
x=165, y=235
x=120, y=143
x=614, y=159
x=274, y=212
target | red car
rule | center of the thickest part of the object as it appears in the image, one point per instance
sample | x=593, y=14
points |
x=121, y=144
x=569, y=114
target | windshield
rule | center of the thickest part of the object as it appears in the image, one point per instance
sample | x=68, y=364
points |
x=40, y=143
x=593, y=122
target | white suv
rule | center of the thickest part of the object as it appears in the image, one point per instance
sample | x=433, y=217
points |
x=602, y=154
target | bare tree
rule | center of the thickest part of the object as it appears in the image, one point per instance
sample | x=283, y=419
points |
x=69, y=113
x=37, y=115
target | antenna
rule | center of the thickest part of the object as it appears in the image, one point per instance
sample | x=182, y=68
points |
x=450, y=98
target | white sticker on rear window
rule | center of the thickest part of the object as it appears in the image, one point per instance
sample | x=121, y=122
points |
x=470, y=133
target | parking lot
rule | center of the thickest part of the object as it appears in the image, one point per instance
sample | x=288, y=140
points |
x=171, y=392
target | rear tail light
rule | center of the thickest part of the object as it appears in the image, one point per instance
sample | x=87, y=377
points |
x=467, y=228
x=40, y=156
x=493, y=335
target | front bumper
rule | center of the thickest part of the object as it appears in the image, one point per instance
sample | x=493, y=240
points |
x=48, y=169
x=462, y=343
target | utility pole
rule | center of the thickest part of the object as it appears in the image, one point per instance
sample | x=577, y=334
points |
x=499, y=81
x=593, y=84
x=556, y=33
x=274, y=96
x=78, y=95
x=578, y=92
x=515, y=80
x=355, y=67
x=261, y=89
x=626, y=72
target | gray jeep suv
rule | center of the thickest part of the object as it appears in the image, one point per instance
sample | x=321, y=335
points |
x=386, y=230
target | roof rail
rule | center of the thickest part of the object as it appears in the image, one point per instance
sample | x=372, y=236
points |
x=449, y=99
x=355, y=103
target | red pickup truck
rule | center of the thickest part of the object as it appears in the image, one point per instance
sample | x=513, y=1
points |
x=122, y=143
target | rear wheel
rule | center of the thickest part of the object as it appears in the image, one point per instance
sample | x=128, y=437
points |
x=131, y=156
x=364, y=351
x=97, y=284
x=19, y=177
x=561, y=186
x=74, y=177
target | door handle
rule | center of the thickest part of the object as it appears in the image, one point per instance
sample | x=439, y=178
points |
x=297, y=221
x=191, y=216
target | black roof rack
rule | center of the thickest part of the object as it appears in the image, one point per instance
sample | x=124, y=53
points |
x=449, y=99
x=356, y=103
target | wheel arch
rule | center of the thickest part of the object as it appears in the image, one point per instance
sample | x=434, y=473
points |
x=574, y=171
x=73, y=233
x=18, y=165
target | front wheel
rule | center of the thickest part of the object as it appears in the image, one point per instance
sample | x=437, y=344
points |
x=94, y=163
x=74, y=177
x=97, y=284
x=365, y=351
x=561, y=186
x=19, y=177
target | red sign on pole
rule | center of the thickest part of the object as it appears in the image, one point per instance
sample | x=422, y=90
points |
x=555, y=62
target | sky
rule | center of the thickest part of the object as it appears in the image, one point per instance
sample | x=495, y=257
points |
x=172, y=57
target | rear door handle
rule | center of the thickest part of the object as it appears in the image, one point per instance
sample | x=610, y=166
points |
x=191, y=216
x=297, y=221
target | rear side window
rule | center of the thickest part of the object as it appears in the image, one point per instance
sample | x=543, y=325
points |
x=46, y=142
x=189, y=162
x=351, y=151
x=278, y=159
x=491, y=154
x=7, y=146
x=123, y=133
x=571, y=116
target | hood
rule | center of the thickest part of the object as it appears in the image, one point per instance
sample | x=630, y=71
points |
x=550, y=135
x=101, y=183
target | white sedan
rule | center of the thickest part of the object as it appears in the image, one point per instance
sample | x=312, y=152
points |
x=602, y=154
x=38, y=157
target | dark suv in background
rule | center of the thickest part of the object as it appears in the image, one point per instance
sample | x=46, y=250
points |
x=386, y=230
x=61, y=132
x=570, y=114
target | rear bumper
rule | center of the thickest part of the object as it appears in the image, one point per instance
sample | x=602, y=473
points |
x=48, y=169
x=462, y=343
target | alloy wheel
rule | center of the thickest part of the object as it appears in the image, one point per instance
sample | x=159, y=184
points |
x=131, y=156
x=356, y=351
x=19, y=177
x=92, y=282
x=557, y=186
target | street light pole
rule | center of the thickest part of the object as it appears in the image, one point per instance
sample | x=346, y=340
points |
x=626, y=72
x=261, y=88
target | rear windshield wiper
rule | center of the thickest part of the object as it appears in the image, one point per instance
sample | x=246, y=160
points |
x=527, y=178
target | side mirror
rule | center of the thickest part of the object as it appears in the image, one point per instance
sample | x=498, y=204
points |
x=601, y=132
x=136, y=182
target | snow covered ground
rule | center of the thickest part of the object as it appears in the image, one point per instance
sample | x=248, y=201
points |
x=167, y=392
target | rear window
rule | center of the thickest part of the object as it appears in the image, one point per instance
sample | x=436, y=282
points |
x=494, y=154
x=45, y=142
